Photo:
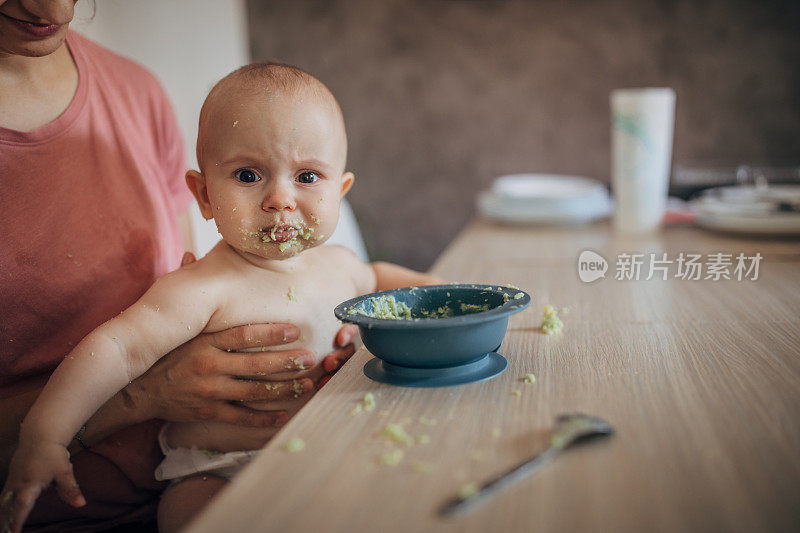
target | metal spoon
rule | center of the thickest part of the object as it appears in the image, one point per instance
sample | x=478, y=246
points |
x=570, y=428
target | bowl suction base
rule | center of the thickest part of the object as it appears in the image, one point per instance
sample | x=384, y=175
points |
x=491, y=365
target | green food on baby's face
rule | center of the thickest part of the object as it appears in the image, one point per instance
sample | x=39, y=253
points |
x=303, y=232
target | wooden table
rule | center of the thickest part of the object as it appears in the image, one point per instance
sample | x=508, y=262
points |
x=701, y=380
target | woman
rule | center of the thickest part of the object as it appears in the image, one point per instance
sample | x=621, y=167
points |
x=91, y=186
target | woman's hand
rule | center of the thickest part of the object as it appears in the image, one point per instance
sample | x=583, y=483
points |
x=344, y=350
x=200, y=380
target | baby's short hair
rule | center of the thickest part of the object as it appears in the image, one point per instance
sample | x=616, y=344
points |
x=278, y=75
x=261, y=76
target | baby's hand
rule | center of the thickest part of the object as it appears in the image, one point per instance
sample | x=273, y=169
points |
x=32, y=469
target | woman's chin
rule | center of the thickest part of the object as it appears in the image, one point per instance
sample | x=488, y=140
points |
x=32, y=46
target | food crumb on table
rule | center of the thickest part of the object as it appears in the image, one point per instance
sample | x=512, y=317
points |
x=397, y=433
x=295, y=444
x=551, y=324
x=422, y=467
x=427, y=421
x=369, y=401
x=470, y=489
x=392, y=458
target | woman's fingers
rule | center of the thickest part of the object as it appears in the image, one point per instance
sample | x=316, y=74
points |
x=334, y=360
x=345, y=335
x=324, y=381
x=345, y=349
x=254, y=336
x=245, y=390
x=68, y=489
x=243, y=416
x=261, y=364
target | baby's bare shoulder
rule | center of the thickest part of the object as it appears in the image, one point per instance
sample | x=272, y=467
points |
x=338, y=253
x=347, y=262
x=205, y=277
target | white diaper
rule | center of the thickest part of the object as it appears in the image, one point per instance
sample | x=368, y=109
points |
x=182, y=462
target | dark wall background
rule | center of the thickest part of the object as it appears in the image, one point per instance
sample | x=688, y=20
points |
x=440, y=96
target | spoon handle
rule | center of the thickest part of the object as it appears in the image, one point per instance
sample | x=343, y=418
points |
x=457, y=504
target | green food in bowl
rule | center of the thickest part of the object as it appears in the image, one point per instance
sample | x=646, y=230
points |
x=437, y=326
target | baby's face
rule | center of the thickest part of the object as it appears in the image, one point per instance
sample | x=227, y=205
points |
x=274, y=171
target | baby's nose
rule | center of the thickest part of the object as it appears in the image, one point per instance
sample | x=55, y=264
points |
x=279, y=198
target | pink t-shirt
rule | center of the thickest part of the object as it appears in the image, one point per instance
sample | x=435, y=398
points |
x=90, y=204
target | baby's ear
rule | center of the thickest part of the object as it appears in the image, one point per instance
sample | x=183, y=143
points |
x=197, y=184
x=347, y=182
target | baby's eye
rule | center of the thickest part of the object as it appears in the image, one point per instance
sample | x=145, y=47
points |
x=245, y=175
x=308, y=177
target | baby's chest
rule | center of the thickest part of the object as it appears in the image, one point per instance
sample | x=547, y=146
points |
x=305, y=300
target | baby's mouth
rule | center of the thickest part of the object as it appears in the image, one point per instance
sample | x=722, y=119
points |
x=281, y=233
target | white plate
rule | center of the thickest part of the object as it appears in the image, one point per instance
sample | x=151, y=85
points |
x=544, y=199
x=544, y=186
x=778, y=224
x=749, y=210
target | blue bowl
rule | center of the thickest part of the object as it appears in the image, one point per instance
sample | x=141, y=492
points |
x=476, y=328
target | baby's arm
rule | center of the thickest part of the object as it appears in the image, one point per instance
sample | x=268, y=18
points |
x=379, y=276
x=390, y=276
x=174, y=310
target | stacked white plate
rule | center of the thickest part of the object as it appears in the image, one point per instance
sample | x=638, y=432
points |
x=772, y=210
x=544, y=199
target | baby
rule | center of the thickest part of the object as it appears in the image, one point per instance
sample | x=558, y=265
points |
x=271, y=149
